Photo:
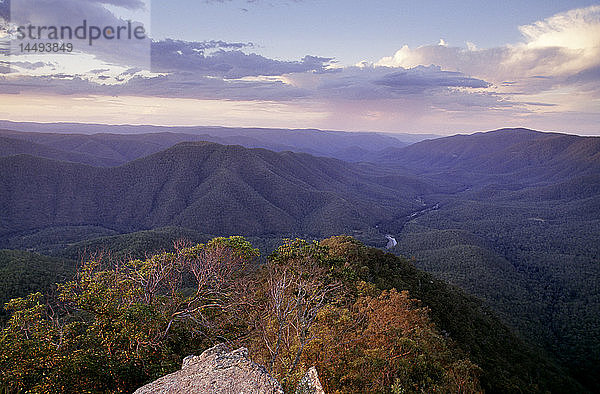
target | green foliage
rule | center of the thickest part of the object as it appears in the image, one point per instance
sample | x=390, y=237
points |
x=312, y=310
x=508, y=364
x=108, y=331
x=22, y=273
x=115, y=328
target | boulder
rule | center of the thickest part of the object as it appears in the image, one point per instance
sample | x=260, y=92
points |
x=216, y=370
x=310, y=383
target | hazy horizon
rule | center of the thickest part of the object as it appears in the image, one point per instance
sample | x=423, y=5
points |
x=23, y=127
x=387, y=66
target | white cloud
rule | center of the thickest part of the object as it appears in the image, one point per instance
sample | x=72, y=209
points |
x=563, y=44
x=558, y=46
x=575, y=29
x=553, y=71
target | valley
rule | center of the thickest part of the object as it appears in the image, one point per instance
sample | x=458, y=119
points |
x=510, y=216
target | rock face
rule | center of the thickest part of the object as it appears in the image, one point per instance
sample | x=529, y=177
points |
x=216, y=371
x=310, y=383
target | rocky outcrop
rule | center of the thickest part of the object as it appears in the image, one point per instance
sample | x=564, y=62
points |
x=310, y=383
x=216, y=371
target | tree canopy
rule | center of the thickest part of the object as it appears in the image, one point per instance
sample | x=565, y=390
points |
x=118, y=325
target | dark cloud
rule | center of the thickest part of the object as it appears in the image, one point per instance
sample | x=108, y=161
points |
x=191, y=86
x=125, y=52
x=225, y=60
x=180, y=85
x=538, y=104
x=99, y=71
x=382, y=83
x=218, y=77
x=421, y=78
x=591, y=75
x=30, y=66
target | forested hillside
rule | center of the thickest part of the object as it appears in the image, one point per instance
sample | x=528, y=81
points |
x=110, y=145
x=448, y=341
x=206, y=187
x=510, y=216
x=22, y=273
x=523, y=234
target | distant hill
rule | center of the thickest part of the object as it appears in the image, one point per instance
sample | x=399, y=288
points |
x=16, y=146
x=105, y=150
x=206, y=187
x=119, y=144
x=526, y=155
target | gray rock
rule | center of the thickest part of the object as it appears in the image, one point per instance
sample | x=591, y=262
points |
x=310, y=384
x=217, y=371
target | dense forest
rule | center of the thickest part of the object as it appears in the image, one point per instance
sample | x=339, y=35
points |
x=369, y=320
x=511, y=217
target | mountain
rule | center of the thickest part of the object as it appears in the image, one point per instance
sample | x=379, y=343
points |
x=517, y=156
x=521, y=231
x=16, y=146
x=104, y=149
x=120, y=144
x=511, y=216
x=206, y=187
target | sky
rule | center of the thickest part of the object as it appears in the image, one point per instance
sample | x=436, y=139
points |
x=394, y=66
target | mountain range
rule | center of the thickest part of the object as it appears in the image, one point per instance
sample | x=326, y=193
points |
x=111, y=145
x=511, y=216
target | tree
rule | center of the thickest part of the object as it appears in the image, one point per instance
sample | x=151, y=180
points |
x=116, y=327
x=295, y=285
x=313, y=310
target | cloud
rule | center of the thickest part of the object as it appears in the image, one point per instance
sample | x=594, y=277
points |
x=136, y=83
x=255, y=78
x=369, y=83
x=30, y=65
x=225, y=60
x=558, y=57
x=129, y=4
x=4, y=35
x=4, y=10
x=73, y=13
x=421, y=78
x=4, y=19
x=558, y=47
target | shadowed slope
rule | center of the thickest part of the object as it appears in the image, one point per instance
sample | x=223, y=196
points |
x=207, y=187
